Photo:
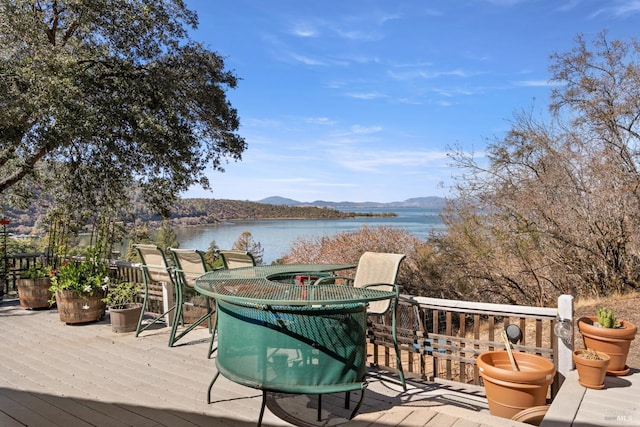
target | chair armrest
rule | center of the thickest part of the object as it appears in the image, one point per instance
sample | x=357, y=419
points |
x=395, y=287
x=332, y=279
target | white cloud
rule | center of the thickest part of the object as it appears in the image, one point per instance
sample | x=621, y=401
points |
x=621, y=8
x=304, y=30
x=375, y=161
x=319, y=120
x=536, y=83
x=366, y=95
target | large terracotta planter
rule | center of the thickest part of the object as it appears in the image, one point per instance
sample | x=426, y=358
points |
x=80, y=308
x=34, y=293
x=613, y=341
x=509, y=392
x=591, y=372
x=124, y=318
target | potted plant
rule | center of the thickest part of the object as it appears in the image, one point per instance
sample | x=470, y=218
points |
x=33, y=287
x=606, y=334
x=78, y=288
x=123, y=310
x=592, y=367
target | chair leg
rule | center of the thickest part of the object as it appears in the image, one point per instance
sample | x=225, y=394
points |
x=357, y=408
x=144, y=308
x=178, y=316
x=213, y=380
x=153, y=320
x=213, y=335
x=206, y=316
x=395, y=345
x=264, y=403
x=207, y=301
x=319, y=415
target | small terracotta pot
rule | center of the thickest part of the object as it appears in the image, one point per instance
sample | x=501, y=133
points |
x=510, y=392
x=591, y=372
x=613, y=341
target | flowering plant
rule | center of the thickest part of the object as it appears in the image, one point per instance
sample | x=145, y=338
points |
x=83, y=278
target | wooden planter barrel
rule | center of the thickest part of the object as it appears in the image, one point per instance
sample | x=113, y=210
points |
x=74, y=307
x=34, y=293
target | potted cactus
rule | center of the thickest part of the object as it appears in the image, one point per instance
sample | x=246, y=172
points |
x=606, y=317
x=606, y=334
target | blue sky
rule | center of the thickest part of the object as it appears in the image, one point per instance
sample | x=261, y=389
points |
x=354, y=100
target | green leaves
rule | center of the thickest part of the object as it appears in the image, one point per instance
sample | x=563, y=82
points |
x=107, y=96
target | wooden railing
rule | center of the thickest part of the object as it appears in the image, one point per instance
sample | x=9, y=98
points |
x=18, y=263
x=441, y=338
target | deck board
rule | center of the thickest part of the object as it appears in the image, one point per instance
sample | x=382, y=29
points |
x=616, y=405
x=53, y=374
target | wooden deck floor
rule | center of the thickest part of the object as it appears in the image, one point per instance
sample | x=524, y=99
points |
x=53, y=374
x=617, y=405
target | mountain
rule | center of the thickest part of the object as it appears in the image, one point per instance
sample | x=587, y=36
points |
x=276, y=200
x=431, y=202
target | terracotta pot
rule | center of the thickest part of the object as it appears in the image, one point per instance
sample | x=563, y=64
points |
x=613, y=341
x=124, y=318
x=34, y=293
x=591, y=372
x=509, y=392
x=80, y=308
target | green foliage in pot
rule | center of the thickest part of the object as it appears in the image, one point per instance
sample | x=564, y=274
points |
x=606, y=317
x=122, y=294
x=36, y=271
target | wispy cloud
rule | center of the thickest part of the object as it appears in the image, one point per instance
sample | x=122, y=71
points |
x=425, y=74
x=319, y=120
x=304, y=29
x=306, y=60
x=376, y=161
x=620, y=8
x=367, y=96
x=536, y=83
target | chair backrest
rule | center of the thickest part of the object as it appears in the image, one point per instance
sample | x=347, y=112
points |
x=154, y=263
x=376, y=267
x=237, y=259
x=190, y=264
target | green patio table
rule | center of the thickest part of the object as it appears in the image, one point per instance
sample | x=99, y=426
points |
x=282, y=337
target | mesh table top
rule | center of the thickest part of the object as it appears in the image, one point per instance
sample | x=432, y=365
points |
x=252, y=285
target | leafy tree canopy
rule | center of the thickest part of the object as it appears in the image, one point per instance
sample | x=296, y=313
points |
x=100, y=97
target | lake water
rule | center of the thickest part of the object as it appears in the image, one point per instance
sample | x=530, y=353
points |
x=276, y=236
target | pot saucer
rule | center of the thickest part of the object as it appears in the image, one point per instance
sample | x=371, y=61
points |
x=621, y=373
x=600, y=387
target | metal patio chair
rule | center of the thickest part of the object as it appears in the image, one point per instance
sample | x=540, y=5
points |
x=379, y=270
x=189, y=265
x=237, y=259
x=157, y=271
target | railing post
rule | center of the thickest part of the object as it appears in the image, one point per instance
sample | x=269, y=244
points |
x=564, y=344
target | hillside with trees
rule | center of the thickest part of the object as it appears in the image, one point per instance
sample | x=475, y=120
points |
x=185, y=212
